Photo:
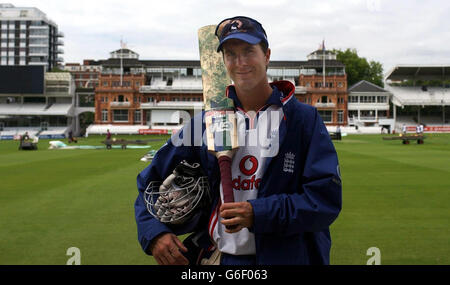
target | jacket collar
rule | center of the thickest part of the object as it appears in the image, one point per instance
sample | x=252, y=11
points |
x=282, y=92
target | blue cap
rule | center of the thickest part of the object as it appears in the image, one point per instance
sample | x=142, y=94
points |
x=241, y=28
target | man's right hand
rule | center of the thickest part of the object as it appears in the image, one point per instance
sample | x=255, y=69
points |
x=166, y=249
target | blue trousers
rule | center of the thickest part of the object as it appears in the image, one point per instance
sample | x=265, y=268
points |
x=228, y=259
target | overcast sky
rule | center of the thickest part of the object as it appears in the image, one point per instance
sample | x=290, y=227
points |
x=391, y=32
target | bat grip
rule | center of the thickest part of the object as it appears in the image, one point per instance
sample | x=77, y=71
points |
x=225, y=178
x=227, y=185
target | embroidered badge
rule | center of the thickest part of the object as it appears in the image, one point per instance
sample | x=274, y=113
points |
x=289, y=162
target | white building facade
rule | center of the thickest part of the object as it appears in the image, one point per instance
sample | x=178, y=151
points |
x=28, y=37
x=368, y=105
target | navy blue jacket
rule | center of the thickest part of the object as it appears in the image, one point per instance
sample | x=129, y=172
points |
x=294, y=208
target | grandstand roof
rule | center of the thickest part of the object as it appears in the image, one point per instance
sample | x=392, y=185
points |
x=419, y=72
x=35, y=110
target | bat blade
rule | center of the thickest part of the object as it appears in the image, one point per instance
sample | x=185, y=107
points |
x=220, y=119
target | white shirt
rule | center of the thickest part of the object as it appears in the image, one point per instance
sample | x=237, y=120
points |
x=247, y=172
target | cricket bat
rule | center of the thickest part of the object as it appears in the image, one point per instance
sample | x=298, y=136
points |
x=220, y=118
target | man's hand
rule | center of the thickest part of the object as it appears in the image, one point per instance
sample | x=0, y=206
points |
x=239, y=214
x=166, y=250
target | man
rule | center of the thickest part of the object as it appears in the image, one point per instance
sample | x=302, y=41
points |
x=72, y=138
x=286, y=195
x=108, y=139
x=25, y=137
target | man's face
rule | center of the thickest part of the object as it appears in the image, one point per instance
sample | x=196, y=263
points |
x=245, y=63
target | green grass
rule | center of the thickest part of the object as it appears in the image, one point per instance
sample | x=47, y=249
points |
x=395, y=197
x=51, y=200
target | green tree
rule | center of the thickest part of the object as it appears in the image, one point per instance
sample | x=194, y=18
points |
x=58, y=69
x=358, y=68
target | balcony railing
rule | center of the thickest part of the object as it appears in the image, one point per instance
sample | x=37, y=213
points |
x=120, y=104
x=57, y=90
x=370, y=119
x=173, y=104
x=300, y=89
x=325, y=105
x=38, y=36
x=39, y=27
x=317, y=74
x=37, y=53
x=37, y=63
x=38, y=45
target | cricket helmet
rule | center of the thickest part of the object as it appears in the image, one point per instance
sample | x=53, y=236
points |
x=181, y=199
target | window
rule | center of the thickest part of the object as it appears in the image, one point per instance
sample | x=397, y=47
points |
x=324, y=99
x=353, y=113
x=368, y=114
x=353, y=99
x=368, y=99
x=382, y=99
x=137, y=116
x=105, y=83
x=120, y=116
x=327, y=116
x=340, y=116
x=104, y=115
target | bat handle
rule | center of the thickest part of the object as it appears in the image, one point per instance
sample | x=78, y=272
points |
x=226, y=181
x=225, y=178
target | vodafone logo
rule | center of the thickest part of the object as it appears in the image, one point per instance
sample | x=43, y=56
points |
x=248, y=166
x=244, y=165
